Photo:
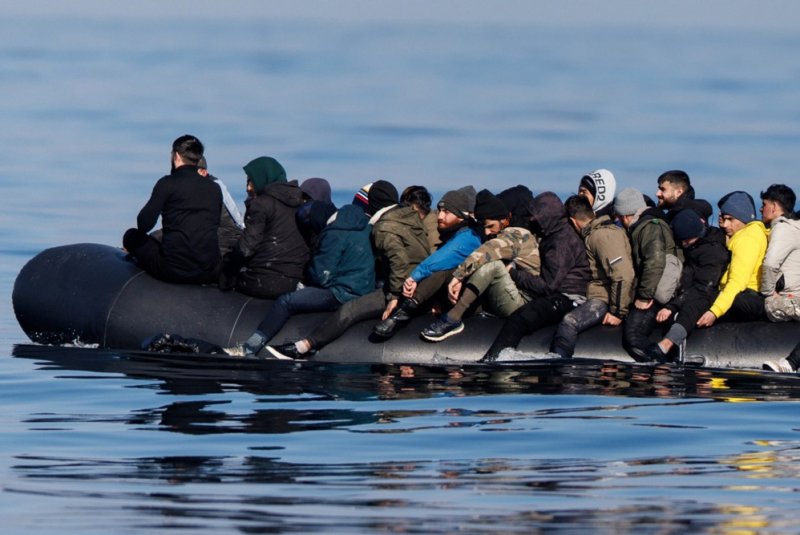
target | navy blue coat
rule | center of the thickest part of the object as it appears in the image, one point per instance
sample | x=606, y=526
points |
x=344, y=262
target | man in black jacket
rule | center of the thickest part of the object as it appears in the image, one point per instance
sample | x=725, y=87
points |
x=675, y=193
x=271, y=255
x=564, y=276
x=189, y=205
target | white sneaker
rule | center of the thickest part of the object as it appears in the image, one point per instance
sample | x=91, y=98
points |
x=780, y=366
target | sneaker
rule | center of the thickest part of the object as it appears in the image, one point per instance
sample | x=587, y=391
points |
x=286, y=351
x=780, y=366
x=442, y=328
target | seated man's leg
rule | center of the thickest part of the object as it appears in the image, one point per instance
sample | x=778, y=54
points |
x=780, y=308
x=502, y=297
x=637, y=328
x=264, y=285
x=747, y=306
x=308, y=299
x=147, y=252
x=366, y=307
x=474, y=286
x=537, y=313
x=587, y=315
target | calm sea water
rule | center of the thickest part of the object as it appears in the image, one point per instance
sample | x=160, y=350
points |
x=97, y=441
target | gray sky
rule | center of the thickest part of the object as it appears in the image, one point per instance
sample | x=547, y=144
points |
x=764, y=14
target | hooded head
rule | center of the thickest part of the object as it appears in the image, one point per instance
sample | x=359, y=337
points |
x=601, y=185
x=381, y=195
x=316, y=189
x=548, y=213
x=264, y=171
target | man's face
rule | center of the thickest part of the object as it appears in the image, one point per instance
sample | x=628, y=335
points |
x=492, y=227
x=447, y=219
x=730, y=224
x=770, y=211
x=625, y=220
x=667, y=194
x=583, y=191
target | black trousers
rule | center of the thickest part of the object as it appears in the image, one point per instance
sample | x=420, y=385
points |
x=537, y=313
x=366, y=307
x=147, y=252
x=747, y=306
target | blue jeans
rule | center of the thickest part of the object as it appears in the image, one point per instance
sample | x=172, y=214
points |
x=308, y=299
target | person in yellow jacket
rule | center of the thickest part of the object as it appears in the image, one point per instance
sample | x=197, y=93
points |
x=739, y=299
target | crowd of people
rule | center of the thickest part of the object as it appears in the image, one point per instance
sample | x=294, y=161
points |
x=598, y=257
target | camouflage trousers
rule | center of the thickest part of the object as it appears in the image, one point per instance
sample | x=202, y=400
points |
x=782, y=307
x=497, y=289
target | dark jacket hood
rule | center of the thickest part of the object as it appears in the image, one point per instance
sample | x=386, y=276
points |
x=286, y=192
x=350, y=217
x=264, y=171
x=548, y=214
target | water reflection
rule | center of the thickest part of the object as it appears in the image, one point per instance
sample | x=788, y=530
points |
x=261, y=493
x=180, y=374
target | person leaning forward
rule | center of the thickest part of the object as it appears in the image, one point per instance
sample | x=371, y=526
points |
x=189, y=205
x=271, y=255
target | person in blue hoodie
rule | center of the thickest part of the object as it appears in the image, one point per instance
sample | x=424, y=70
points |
x=342, y=269
x=456, y=228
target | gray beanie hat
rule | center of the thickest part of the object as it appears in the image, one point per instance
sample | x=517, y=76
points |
x=629, y=201
x=459, y=202
x=739, y=205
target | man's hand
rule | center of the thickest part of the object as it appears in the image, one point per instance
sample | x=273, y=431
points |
x=707, y=319
x=390, y=306
x=611, y=319
x=663, y=315
x=454, y=290
x=409, y=287
x=643, y=304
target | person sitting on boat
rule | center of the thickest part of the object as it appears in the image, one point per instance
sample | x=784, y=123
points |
x=485, y=272
x=271, y=255
x=189, y=206
x=610, y=290
x=675, y=192
x=460, y=237
x=738, y=299
x=231, y=222
x=312, y=215
x=780, y=272
x=561, y=284
x=518, y=200
x=705, y=260
x=342, y=269
x=400, y=244
x=599, y=187
x=420, y=198
x=656, y=262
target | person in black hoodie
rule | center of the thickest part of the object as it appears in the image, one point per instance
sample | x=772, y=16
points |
x=189, y=205
x=705, y=259
x=564, y=276
x=271, y=255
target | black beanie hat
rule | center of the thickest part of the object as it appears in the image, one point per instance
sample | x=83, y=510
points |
x=588, y=183
x=381, y=195
x=488, y=206
x=459, y=202
x=687, y=225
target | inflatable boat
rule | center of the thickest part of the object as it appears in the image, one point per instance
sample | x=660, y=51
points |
x=93, y=295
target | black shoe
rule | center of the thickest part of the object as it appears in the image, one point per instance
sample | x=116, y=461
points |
x=653, y=353
x=398, y=319
x=287, y=351
x=442, y=328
